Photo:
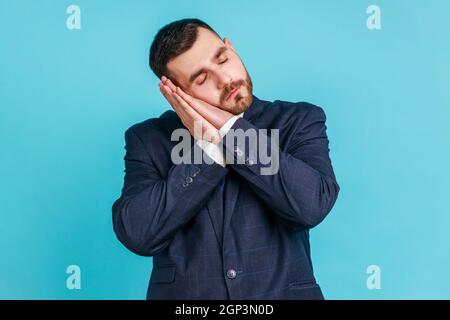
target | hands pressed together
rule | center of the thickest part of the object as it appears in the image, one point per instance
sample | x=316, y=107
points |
x=194, y=111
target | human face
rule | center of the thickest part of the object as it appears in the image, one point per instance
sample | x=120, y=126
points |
x=212, y=71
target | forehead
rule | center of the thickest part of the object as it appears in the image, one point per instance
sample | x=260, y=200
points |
x=198, y=56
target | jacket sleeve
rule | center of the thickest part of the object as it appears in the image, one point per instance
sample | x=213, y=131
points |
x=152, y=207
x=303, y=189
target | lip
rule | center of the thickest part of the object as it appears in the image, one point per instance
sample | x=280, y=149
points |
x=233, y=93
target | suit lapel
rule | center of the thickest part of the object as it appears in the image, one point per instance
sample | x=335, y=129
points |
x=226, y=193
x=215, y=210
x=231, y=194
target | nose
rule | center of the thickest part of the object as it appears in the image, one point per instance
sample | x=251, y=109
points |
x=223, y=80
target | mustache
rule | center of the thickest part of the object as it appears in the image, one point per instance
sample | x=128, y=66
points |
x=230, y=88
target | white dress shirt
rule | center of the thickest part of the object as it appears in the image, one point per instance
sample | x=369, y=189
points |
x=213, y=150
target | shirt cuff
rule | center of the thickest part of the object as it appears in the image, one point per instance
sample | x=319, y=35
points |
x=227, y=126
x=212, y=150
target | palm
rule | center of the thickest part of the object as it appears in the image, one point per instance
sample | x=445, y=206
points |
x=214, y=115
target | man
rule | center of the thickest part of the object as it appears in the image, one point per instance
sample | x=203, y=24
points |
x=221, y=228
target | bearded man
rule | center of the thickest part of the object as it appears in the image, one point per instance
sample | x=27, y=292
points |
x=223, y=227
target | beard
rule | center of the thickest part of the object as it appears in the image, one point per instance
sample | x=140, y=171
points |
x=241, y=101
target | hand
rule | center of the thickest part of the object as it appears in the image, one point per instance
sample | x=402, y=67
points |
x=214, y=115
x=198, y=127
x=190, y=109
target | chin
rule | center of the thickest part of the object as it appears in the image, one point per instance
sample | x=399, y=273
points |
x=242, y=103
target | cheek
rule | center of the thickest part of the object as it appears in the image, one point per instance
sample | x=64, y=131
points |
x=237, y=70
x=208, y=93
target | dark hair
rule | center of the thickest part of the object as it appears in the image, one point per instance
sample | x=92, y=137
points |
x=172, y=40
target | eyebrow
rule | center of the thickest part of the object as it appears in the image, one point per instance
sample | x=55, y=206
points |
x=199, y=72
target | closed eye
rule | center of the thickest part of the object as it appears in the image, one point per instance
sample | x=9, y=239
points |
x=203, y=81
x=206, y=76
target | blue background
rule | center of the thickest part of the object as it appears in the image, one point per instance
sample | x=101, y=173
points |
x=67, y=97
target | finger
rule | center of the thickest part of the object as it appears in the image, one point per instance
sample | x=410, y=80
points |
x=208, y=131
x=189, y=110
x=184, y=95
x=188, y=115
x=169, y=83
x=192, y=102
x=163, y=86
x=175, y=105
x=164, y=79
x=216, y=116
x=168, y=95
x=173, y=101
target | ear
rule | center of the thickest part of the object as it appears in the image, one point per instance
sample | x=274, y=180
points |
x=228, y=43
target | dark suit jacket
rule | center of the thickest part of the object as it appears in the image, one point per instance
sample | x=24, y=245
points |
x=228, y=233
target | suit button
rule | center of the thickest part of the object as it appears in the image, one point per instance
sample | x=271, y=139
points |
x=189, y=180
x=231, y=273
x=195, y=171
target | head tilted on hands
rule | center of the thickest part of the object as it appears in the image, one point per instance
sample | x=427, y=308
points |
x=191, y=54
